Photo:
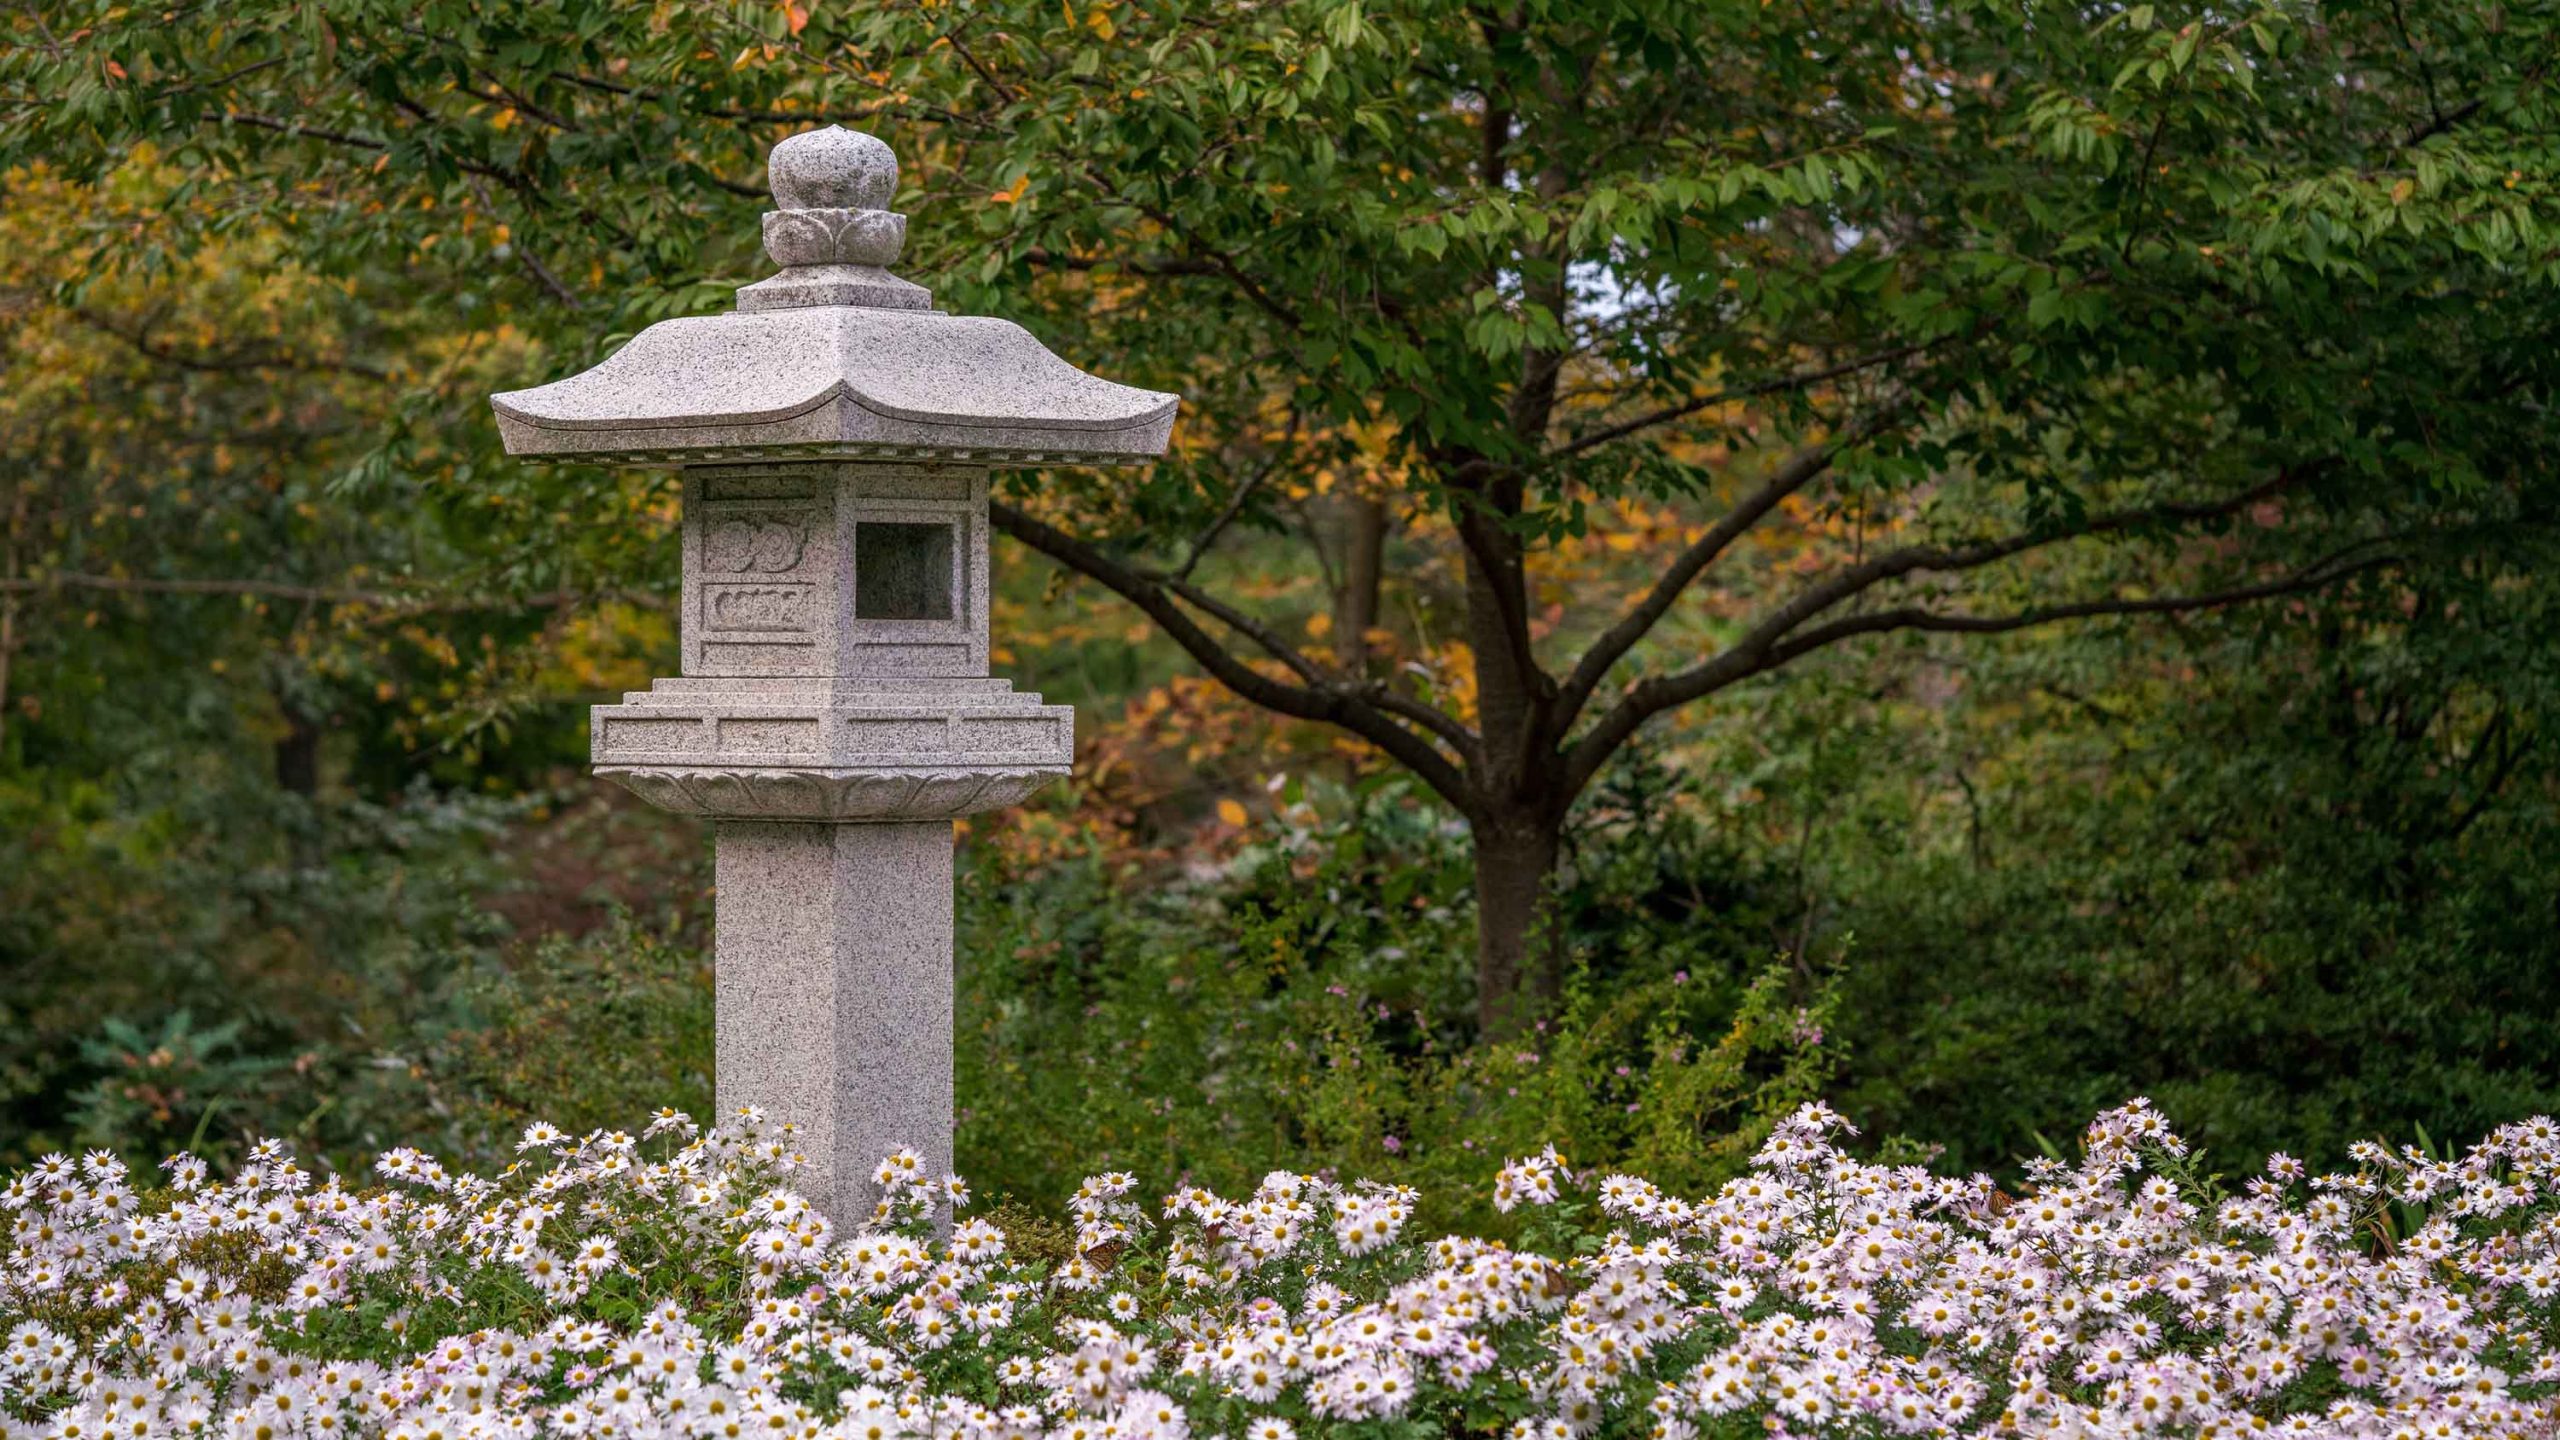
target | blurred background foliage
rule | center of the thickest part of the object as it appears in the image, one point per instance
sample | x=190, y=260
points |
x=295, y=836
x=2289, y=872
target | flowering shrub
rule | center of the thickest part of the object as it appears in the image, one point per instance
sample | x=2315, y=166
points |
x=672, y=1284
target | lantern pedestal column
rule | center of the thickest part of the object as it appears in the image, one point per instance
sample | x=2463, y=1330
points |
x=834, y=994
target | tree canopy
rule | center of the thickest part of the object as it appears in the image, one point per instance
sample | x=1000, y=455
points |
x=1866, y=319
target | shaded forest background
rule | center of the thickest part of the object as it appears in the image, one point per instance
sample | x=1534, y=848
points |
x=295, y=836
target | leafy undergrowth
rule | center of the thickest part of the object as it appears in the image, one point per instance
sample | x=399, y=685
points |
x=673, y=1283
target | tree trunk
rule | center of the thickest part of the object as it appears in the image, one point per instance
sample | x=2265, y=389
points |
x=298, y=753
x=9, y=601
x=1515, y=858
x=8, y=648
x=1363, y=523
x=1516, y=828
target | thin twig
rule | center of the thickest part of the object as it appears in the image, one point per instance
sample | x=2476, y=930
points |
x=1208, y=535
x=1739, y=392
x=415, y=602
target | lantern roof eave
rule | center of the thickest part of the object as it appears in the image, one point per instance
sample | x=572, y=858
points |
x=836, y=382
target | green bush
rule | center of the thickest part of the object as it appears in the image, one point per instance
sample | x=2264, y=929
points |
x=1310, y=999
x=183, y=957
x=584, y=1031
x=2299, y=884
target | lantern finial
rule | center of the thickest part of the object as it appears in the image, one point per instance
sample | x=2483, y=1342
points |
x=834, y=235
x=833, y=169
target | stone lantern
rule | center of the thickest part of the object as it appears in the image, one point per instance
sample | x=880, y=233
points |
x=835, y=714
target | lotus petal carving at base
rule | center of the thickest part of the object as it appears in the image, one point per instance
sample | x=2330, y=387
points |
x=743, y=793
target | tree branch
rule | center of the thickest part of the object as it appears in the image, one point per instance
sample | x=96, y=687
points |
x=298, y=130
x=1003, y=91
x=219, y=363
x=524, y=252
x=1483, y=532
x=2426, y=70
x=1262, y=635
x=1469, y=746
x=542, y=273
x=413, y=603
x=1349, y=710
x=500, y=95
x=858, y=115
x=1137, y=264
x=1687, y=408
x=1752, y=654
x=1893, y=564
x=1226, y=516
x=1595, y=748
x=2447, y=120
x=1317, y=676
x=1217, y=259
x=310, y=132
x=263, y=589
x=1912, y=617
x=1798, y=471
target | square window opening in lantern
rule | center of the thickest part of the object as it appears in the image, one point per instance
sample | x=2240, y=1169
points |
x=902, y=571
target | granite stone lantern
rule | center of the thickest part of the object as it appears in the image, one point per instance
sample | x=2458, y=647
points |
x=835, y=714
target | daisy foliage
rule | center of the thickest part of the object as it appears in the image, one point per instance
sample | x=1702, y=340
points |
x=673, y=1284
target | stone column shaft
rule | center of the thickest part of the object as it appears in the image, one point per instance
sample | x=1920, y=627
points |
x=834, y=993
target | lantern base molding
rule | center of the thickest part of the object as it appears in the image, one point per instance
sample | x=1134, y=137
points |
x=834, y=725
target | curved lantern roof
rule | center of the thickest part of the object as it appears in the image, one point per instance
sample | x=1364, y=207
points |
x=835, y=358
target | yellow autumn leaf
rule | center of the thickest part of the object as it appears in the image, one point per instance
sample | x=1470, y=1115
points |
x=1232, y=813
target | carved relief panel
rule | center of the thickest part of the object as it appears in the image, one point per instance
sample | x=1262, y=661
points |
x=760, y=572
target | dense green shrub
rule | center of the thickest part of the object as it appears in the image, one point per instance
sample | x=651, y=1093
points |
x=2300, y=884
x=195, y=959
x=588, y=1030
x=1311, y=998
x=183, y=956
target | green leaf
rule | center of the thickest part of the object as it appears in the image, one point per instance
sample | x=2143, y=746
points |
x=1343, y=25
